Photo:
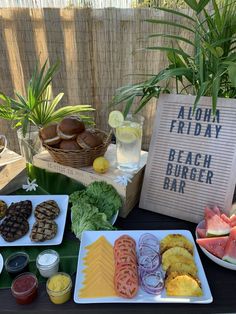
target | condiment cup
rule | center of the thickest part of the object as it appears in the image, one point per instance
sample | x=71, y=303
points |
x=45, y=267
x=59, y=293
x=17, y=263
x=25, y=288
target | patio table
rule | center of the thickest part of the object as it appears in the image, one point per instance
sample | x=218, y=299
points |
x=221, y=281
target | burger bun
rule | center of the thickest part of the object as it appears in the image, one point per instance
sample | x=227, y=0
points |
x=69, y=145
x=88, y=139
x=49, y=135
x=69, y=127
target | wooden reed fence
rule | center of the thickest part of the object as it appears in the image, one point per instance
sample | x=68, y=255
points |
x=98, y=50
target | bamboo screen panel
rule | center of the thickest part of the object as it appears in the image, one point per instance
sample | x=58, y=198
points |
x=98, y=50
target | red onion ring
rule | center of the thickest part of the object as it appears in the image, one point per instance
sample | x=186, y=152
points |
x=152, y=282
x=147, y=250
x=149, y=259
x=149, y=263
x=148, y=239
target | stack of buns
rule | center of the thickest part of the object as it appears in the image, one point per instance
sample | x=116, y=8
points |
x=70, y=134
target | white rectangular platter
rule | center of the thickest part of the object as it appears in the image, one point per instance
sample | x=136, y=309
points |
x=62, y=201
x=89, y=237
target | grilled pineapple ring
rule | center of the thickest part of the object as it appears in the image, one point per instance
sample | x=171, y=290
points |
x=173, y=240
x=176, y=255
x=182, y=285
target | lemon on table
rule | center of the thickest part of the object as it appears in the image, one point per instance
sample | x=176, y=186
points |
x=101, y=165
x=115, y=119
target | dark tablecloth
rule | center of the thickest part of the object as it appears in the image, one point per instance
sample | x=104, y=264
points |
x=221, y=281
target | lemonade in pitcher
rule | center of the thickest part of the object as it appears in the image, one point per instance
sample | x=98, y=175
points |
x=128, y=141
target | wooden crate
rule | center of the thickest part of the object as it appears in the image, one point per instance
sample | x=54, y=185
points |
x=12, y=172
x=130, y=193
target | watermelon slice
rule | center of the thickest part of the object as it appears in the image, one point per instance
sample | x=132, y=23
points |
x=230, y=249
x=233, y=209
x=215, y=246
x=216, y=210
x=225, y=218
x=201, y=232
x=201, y=229
x=215, y=226
x=233, y=221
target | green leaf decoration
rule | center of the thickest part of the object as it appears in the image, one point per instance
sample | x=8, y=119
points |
x=46, y=181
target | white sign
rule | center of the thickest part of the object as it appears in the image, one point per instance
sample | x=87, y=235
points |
x=192, y=158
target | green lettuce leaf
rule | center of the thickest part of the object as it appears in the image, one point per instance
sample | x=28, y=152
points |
x=105, y=197
x=87, y=217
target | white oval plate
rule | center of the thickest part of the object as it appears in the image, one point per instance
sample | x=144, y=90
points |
x=215, y=259
x=1, y=263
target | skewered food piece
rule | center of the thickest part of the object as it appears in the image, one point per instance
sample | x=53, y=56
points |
x=23, y=208
x=48, y=210
x=14, y=227
x=3, y=209
x=43, y=230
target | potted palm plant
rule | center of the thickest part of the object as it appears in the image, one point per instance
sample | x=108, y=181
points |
x=202, y=63
x=37, y=109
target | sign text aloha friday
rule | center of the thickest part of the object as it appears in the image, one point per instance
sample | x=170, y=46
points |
x=188, y=166
x=188, y=163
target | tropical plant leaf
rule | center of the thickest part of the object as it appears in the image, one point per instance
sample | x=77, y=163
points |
x=147, y=97
x=201, y=5
x=215, y=91
x=177, y=13
x=217, y=16
x=201, y=92
x=128, y=105
x=232, y=74
x=168, y=49
x=169, y=23
x=192, y=4
x=170, y=36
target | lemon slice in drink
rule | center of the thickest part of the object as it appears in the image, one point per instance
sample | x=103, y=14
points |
x=115, y=119
x=128, y=134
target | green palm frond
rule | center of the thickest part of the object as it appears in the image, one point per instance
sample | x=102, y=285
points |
x=208, y=69
x=38, y=107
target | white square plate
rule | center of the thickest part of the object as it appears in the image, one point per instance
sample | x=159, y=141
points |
x=89, y=237
x=62, y=201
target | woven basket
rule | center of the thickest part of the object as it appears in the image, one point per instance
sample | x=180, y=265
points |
x=83, y=157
